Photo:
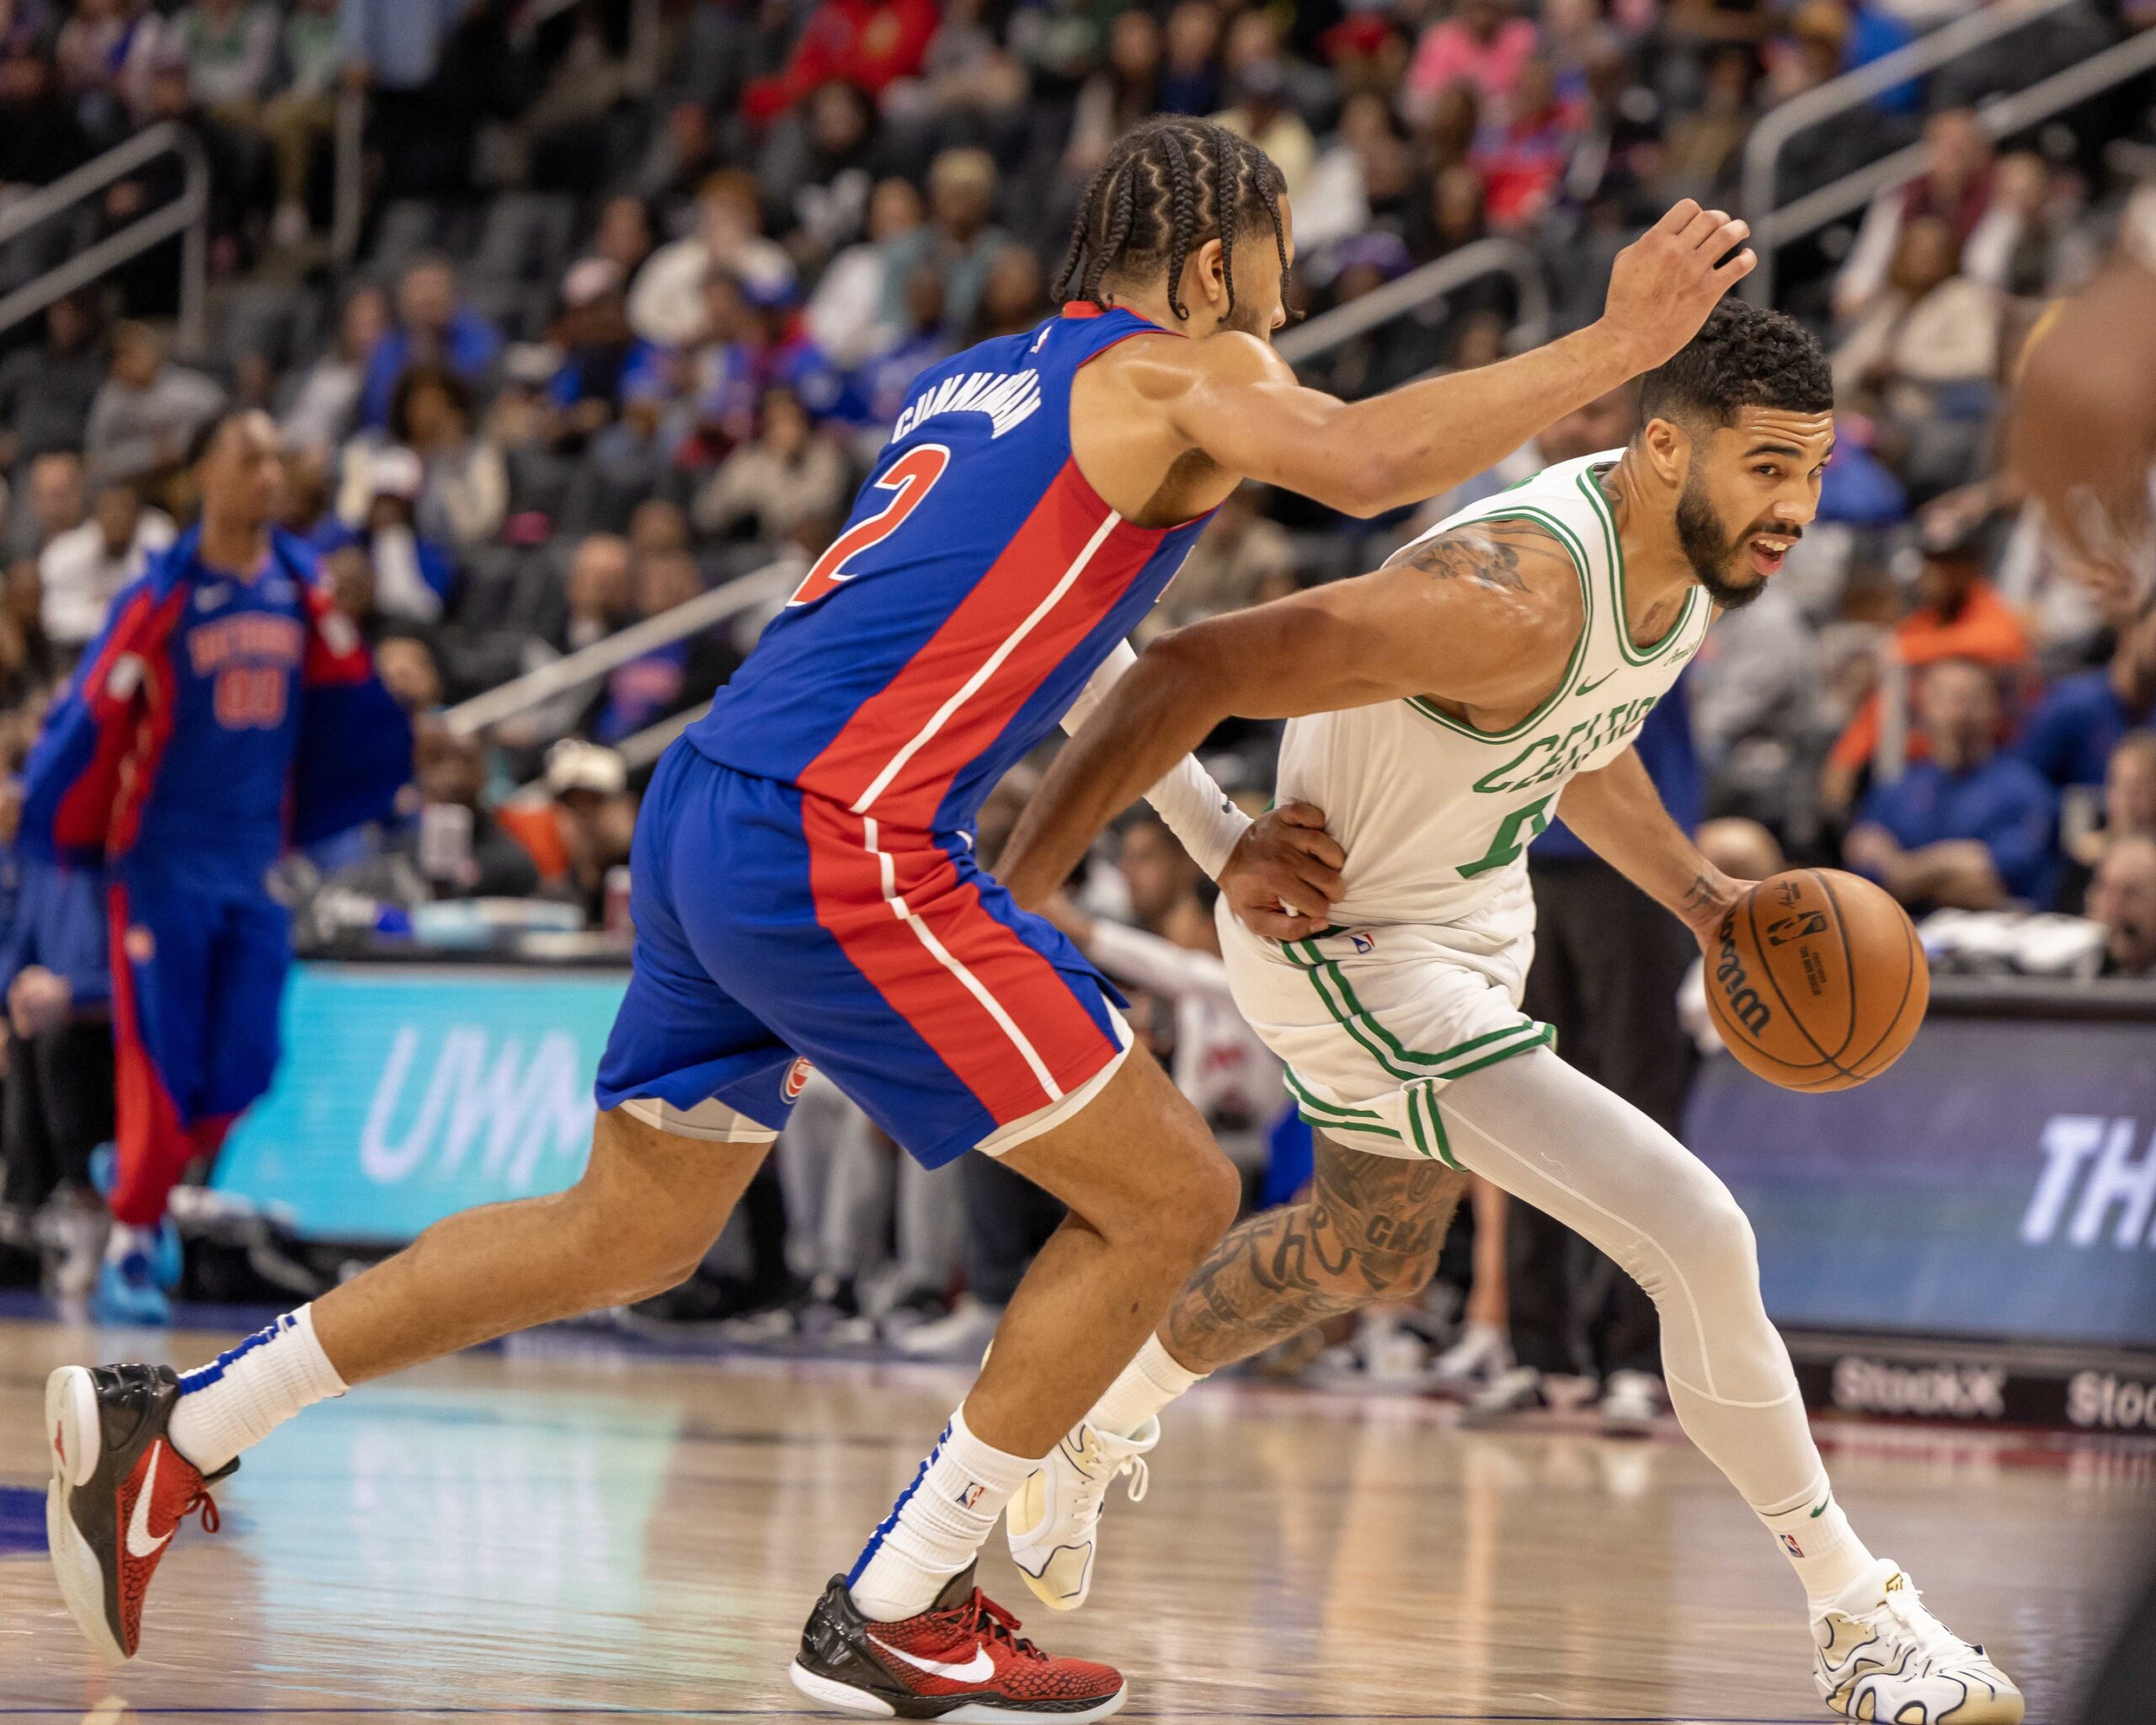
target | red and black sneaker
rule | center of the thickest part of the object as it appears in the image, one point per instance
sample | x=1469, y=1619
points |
x=118, y=1493
x=961, y=1660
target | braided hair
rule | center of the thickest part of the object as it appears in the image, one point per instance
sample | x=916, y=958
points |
x=1169, y=184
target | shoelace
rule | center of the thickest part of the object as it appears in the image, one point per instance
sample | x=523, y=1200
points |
x=984, y=1617
x=1906, y=1606
x=1099, y=1475
x=201, y=1500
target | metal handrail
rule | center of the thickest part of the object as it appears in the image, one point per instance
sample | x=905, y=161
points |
x=692, y=616
x=188, y=215
x=1495, y=256
x=1763, y=149
x=2000, y=117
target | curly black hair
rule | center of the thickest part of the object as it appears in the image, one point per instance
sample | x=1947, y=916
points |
x=1159, y=197
x=1744, y=356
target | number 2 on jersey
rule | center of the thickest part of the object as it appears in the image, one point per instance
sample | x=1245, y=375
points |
x=911, y=476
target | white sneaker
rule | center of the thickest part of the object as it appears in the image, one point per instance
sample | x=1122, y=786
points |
x=1482, y=1351
x=1881, y=1655
x=963, y=1333
x=1631, y=1404
x=1054, y=1521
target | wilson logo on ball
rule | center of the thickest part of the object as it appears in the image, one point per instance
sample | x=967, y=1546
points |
x=1738, y=995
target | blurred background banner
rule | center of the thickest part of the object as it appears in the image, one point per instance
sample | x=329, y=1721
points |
x=427, y=1089
x=1999, y=1181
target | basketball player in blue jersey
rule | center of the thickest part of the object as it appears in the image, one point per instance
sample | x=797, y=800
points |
x=805, y=890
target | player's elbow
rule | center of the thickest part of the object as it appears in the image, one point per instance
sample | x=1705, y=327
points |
x=1195, y=671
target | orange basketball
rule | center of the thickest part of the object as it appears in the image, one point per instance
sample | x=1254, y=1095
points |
x=1816, y=980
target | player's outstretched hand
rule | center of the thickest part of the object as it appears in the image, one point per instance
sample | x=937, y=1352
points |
x=1283, y=874
x=1664, y=283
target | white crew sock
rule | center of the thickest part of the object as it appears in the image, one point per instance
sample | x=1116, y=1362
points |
x=243, y=1394
x=937, y=1526
x=1820, y=1545
x=1148, y=1384
x=123, y=1239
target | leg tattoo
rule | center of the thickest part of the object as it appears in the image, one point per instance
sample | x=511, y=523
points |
x=1369, y=1231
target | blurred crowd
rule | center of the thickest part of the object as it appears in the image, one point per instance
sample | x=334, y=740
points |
x=638, y=289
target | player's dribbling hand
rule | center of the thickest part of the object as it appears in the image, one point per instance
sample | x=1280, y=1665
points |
x=1663, y=285
x=1283, y=874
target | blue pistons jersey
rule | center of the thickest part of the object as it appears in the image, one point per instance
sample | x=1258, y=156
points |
x=980, y=582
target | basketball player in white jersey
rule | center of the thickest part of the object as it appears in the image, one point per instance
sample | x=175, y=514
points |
x=1439, y=709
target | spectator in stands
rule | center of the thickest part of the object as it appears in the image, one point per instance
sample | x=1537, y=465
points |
x=1522, y=157
x=415, y=577
x=2129, y=807
x=58, y=1102
x=1959, y=615
x=622, y=235
x=1262, y=112
x=869, y=44
x=30, y=664
x=2081, y=718
x=667, y=680
x=883, y=383
x=1121, y=92
x=683, y=153
x=301, y=119
x=97, y=54
x=147, y=408
x=667, y=302
x=47, y=391
x=1922, y=358
x=2123, y=898
x=601, y=590
x=231, y=50
x=466, y=490
x=82, y=568
x=959, y=239
x=581, y=827
x=846, y=314
x=1240, y=556
x=432, y=325
x=453, y=844
x=601, y=356
x=326, y=404
x=407, y=667
x=767, y=487
x=1190, y=70
x=1479, y=44
x=1957, y=187
x=40, y=139
x=1334, y=201
x=1013, y=295
x=54, y=499
x=1966, y=827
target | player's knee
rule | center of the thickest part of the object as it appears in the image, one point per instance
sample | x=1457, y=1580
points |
x=1709, y=1233
x=1200, y=1205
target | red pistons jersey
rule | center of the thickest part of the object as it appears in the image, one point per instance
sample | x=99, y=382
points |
x=978, y=583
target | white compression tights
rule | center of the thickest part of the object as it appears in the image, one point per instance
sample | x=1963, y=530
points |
x=1556, y=1139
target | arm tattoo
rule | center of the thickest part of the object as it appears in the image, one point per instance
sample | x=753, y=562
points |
x=1370, y=1230
x=1697, y=896
x=1463, y=554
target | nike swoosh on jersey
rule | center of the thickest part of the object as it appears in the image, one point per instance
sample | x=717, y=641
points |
x=978, y=1669
x=1589, y=688
x=139, y=1542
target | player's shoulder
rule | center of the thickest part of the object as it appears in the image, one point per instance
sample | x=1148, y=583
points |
x=1159, y=362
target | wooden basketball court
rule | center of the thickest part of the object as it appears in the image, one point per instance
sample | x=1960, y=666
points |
x=568, y=1530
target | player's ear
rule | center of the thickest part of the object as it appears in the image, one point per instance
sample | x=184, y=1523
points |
x=1205, y=280
x=1667, y=447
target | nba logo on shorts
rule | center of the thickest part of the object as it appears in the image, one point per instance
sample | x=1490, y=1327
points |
x=1789, y=1539
x=1362, y=942
x=797, y=1079
x=973, y=1494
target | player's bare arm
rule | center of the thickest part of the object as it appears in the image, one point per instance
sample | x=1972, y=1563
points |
x=1209, y=413
x=1619, y=815
x=1482, y=621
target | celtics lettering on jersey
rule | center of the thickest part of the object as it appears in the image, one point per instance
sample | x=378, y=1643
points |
x=1437, y=816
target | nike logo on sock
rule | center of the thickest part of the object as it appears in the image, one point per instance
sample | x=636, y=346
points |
x=978, y=1669
x=139, y=1542
x=1821, y=1509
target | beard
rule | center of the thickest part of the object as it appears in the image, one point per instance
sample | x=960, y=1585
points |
x=1245, y=319
x=1716, y=555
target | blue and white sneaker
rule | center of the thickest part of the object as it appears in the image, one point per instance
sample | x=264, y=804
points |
x=128, y=1290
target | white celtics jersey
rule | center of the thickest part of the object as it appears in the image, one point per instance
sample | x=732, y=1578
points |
x=1436, y=815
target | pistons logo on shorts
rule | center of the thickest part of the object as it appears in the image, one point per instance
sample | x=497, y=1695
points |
x=797, y=1079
